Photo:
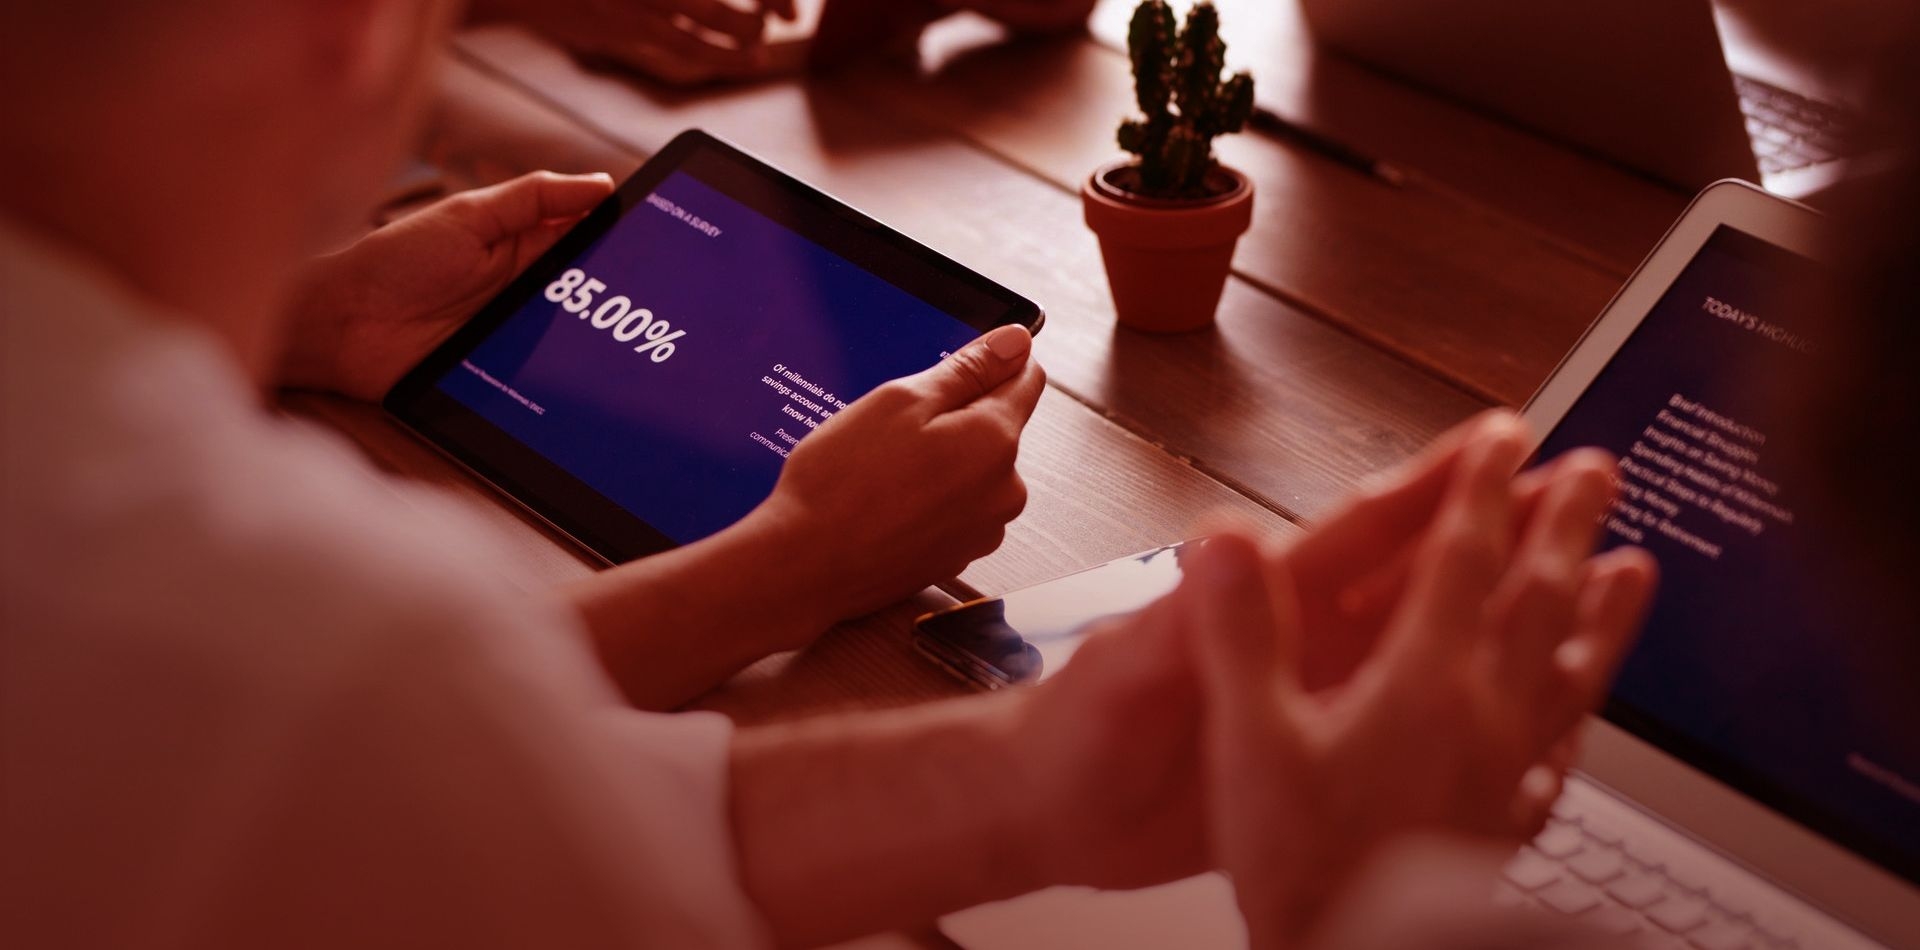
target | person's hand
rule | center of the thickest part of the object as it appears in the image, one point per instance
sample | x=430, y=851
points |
x=913, y=481
x=1350, y=573
x=1037, y=16
x=367, y=314
x=1496, y=650
x=853, y=29
x=1120, y=723
x=1109, y=751
x=679, y=42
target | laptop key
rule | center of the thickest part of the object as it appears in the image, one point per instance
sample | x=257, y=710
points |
x=1569, y=897
x=1614, y=920
x=1530, y=870
x=1720, y=936
x=1560, y=841
x=1638, y=890
x=1597, y=866
x=1603, y=833
x=1679, y=913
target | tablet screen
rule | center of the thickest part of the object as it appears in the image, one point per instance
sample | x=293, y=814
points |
x=670, y=364
x=1752, y=666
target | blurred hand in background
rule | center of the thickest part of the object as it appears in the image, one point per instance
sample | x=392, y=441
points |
x=679, y=42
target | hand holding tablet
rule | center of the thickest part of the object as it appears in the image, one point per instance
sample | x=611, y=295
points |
x=915, y=481
x=368, y=313
x=643, y=383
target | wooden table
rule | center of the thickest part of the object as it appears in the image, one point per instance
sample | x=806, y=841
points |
x=1361, y=320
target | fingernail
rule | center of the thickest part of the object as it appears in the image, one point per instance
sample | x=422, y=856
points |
x=602, y=176
x=1009, y=343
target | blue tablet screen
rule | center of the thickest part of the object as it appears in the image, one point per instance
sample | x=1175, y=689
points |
x=675, y=363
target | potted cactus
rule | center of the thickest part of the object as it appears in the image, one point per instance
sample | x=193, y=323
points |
x=1169, y=217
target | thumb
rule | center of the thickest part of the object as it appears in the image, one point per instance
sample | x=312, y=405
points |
x=508, y=209
x=528, y=245
x=976, y=369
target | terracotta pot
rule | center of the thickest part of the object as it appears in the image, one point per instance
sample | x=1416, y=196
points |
x=1167, y=261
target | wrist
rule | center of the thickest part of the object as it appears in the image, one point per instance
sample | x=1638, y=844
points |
x=769, y=552
x=1050, y=790
x=315, y=333
x=1022, y=806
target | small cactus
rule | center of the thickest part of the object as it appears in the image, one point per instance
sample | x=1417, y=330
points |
x=1183, y=101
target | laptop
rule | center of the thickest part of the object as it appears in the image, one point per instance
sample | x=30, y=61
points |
x=1645, y=83
x=1754, y=781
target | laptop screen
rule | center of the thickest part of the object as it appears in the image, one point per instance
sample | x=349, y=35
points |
x=1754, y=666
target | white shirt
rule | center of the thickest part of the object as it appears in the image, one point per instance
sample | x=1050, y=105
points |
x=252, y=697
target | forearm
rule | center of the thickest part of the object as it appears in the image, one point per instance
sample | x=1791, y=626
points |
x=674, y=625
x=853, y=825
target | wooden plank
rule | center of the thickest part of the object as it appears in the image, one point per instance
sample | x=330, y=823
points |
x=1276, y=403
x=1097, y=493
x=1448, y=286
x=1587, y=205
x=482, y=131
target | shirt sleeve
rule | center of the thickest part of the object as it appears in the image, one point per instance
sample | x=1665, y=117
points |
x=476, y=782
x=252, y=698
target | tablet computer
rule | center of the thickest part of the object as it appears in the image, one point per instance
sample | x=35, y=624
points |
x=1026, y=636
x=641, y=384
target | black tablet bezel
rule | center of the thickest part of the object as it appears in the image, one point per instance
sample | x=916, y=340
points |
x=548, y=491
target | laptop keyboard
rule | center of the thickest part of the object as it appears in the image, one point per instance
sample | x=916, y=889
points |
x=1790, y=130
x=1584, y=867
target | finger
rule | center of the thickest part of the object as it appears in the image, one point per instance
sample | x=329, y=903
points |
x=1393, y=510
x=1016, y=399
x=1612, y=606
x=742, y=26
x=1461, y=557
x=528, y=247
x=1539, y=787
x=1005, y=503
x=1032, y=14
x=974, y=371
x=1528, y=488
x=1367, y=600
x=1275, y=567
x=1536, y=601
x=503, y=211
x=662, y=49
x=1374, y=532
x=1543, y=784
x=784, y=9
x=1246, y=651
